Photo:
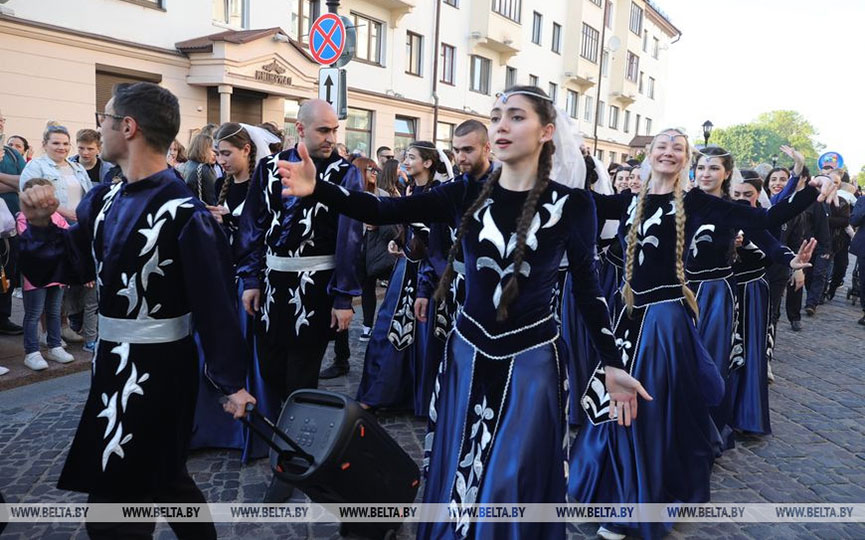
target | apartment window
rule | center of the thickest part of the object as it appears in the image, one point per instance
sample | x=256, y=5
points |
x=508, y=8
x=451, y=2
x=636, y=21
x=599, y=154
x=651, y=92
x=480, y=75
x=645, y=41
x=601, y=112
x=613, y=156
x=655, y=46
x=510, y=76
x=231, y=12
x=368, y=39
x=404, y=132
x=533, y=80
x=448, y=55
x=614, y=117
x=640, y=85
x=572, y=103
x=358, y=131
x=303, y=21
x=537, y=24
x=444, y=135
x=589, y=48
x=637, y=126
x=557, y=38
x=589, y=104
x=648, y=126
x=627, y=122
x=605, y=63
x=554, y=92
x=609, y=20
x=633, y=66
x=413, y=53
x=596, y=2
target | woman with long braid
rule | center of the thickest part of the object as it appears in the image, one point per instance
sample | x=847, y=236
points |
x=499, y=428
x=667, y=456
x=394, y=374
x=237, y=152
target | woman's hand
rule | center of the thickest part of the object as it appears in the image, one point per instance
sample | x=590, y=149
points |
x=798, y=279
x=217, y=212
x=804, y=255
x=394, y=249
x=828, y=189
x=623, y=390
x=796, y=156
x=298, y=177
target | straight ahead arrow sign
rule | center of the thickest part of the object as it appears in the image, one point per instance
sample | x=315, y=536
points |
x=328, y=83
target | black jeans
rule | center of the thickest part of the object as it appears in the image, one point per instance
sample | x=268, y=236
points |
x=182, y=490
x=794, y=303
x=839, y=269
x=778, y=275
x=815, y=278
x=368, y=300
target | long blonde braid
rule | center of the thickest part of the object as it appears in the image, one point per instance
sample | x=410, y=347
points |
x=679, y=201
x=631, y=249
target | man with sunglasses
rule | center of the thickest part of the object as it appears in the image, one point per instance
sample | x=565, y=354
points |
x=142, y=240
x=383, y=154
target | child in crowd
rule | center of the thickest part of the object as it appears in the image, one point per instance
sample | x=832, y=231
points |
x=42, y=299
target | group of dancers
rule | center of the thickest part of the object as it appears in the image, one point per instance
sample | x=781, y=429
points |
x=503, y=323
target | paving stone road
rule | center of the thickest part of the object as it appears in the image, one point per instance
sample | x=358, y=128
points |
x=815, y=454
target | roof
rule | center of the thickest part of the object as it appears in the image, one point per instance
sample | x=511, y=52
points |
x=640, y=141
x=205, y=43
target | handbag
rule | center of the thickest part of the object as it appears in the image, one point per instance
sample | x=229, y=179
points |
x=378, y=261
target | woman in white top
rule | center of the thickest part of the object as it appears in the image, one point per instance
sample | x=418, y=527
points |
x=70, y=179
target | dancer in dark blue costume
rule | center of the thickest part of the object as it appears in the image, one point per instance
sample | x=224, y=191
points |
x=239, y=148
x=471, y=147
x=748, y=386
x=499, y=428
x=394, y=374
x=668, y=456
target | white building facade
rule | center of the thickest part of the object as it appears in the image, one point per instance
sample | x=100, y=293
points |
x=420, y=68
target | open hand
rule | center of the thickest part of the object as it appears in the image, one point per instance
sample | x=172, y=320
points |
x=623, y=390
x=796, y=156
x=804, y=255
x=798, y=279
x=298, y=177
x=828, y=189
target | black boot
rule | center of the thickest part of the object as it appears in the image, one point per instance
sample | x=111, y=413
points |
x=337, y=369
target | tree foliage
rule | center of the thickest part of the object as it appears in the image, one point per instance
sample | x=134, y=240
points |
x=757, y=141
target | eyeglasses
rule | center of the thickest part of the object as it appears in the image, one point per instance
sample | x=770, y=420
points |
x=101, y=116
x=384, y=157
x=372, y=170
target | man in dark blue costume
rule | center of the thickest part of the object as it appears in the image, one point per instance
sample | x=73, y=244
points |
x=162, y=268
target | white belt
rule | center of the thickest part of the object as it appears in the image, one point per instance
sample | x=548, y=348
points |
x=301, y=264
x=146, y=330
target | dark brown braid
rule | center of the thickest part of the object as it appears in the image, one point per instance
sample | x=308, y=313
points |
x=545, y=166
x=235, y=135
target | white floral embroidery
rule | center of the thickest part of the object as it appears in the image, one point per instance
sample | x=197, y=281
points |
x=700, y=238
x=115, y=445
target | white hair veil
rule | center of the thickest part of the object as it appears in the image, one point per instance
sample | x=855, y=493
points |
x=262, y=139
x=569, y=168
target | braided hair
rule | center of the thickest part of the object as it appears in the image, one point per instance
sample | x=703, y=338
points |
x=235, y=135
x=547, y=115
x=631, y=249
x=428, y=152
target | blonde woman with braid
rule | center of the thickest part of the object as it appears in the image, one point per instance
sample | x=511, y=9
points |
x=499, y=427
x=667, y=455
x=239, y=147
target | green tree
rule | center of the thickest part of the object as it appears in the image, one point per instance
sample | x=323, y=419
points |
x=750, y=144
x=798, y=132
x=860, y=178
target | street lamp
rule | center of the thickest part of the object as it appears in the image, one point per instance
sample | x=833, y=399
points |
x=707, y=131
x=774, y=160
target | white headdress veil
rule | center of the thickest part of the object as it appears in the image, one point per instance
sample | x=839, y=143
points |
x=569, y=168
x=450, y=169
x=262, y=139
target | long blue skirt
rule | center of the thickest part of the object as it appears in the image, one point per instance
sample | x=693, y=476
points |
x=214, y=428
x=389, y=371
x=749, y=386
x=581, y=354
x=666, y=455
x=509, y=414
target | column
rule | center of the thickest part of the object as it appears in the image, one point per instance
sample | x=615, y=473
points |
x=225, y=91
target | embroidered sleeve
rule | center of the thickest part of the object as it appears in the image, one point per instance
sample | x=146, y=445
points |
x=611, y=206
x=55, y=255
x=345, y=282
x=209, y=288
x=588, y=297
x=739, y=216
x=768, y=244
x=441, y=204
x=254, y=221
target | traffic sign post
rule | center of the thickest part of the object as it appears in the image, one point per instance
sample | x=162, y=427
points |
x=332, y=88
x=327, y=39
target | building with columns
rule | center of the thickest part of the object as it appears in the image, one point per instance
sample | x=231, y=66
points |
x=420, y=66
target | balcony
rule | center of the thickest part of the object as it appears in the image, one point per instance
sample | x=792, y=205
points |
x=397, y=8
x=493, y=31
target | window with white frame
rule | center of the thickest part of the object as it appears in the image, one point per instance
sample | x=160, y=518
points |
x=369, y=39
x=480, y=74
x=537, y=26
x=447, y=60
x=614, y=117
x=413, y=53
x=572, y=103
x=557, y=38
x=231, y=12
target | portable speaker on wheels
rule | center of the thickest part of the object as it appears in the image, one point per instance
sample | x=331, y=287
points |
x=329, y=447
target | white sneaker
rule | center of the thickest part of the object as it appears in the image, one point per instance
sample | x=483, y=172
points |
x=35, y=361
x=71, y=335
x=59, y=355
x=769, y=375
x=43, y=340
x=4, y=370
x=607, y=534
x=17, y=293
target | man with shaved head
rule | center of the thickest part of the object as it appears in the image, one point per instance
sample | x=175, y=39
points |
x=298, y=260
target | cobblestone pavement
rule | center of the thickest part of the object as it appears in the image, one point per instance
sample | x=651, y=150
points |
x=816, y=452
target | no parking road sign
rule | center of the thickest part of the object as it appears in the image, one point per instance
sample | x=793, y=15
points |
x=327, y=39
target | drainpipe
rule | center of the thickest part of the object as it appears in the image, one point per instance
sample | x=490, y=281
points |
x=435, y=78
x=600, y=75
